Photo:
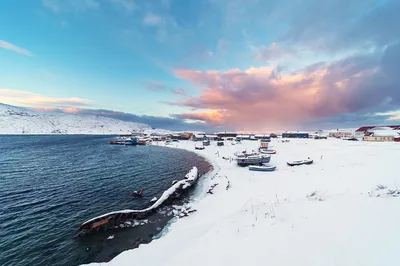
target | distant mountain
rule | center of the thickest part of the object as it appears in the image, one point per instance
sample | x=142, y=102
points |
x=18, y=120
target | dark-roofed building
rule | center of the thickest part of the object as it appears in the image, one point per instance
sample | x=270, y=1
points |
x=226, y=134
x=299, y=135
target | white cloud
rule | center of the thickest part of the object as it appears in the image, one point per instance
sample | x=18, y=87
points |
x=152, y=19
x=393, y=115
x=12, y=47
x=58, y=6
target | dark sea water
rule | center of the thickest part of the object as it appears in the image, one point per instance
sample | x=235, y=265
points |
x=49, y=185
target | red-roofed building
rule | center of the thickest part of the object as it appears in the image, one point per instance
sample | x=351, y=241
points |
x=360, y=133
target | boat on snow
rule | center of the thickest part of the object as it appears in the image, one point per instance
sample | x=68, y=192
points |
x=253, y=160
x=206, y=143
x=300, y=162
x=199, y=146
x=262, y=168
x=264, y=151
x=242, y=154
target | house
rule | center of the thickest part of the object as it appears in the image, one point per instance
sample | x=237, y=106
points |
x=378, y=138
x=198, y=137
x=259, y=136
x=381, y=134
x=211, y=137
x=320, y=134
x=187, y=135
x=360, y=133
x=339, y=133
x=295, y=135
x=226, y=134
x=242, y=137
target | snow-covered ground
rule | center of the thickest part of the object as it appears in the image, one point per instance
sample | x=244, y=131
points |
x=18, y=120
x=341, y=210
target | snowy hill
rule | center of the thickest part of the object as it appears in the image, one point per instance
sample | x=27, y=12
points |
x=18, y=120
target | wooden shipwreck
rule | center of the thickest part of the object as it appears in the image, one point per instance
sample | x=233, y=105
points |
x=112, y=219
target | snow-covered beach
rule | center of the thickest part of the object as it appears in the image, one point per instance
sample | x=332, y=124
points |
x=341, y=210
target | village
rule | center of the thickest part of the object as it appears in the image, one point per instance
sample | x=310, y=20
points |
x=364, y=133
x=304, y=193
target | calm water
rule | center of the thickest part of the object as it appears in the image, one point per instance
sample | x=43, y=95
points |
x=49, y=185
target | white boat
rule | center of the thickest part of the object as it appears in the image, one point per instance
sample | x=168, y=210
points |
x=262, y=168
x=300, y=162
x=253, y=160
x=199, y=146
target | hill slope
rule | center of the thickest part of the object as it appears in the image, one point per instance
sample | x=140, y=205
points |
x=18, y=120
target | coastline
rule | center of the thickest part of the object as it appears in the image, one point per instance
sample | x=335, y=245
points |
x=313, y=215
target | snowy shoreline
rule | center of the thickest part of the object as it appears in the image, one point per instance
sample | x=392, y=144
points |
x=328, y=213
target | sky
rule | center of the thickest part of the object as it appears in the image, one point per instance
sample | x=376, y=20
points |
x=252, y=65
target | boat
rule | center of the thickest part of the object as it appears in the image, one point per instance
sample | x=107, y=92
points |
x=117, y=141
x=199, y=146
x=206, y=143
x=300, y=162
x=262, y=168
x=243, y=154
x=253, y=160
x=264, y=151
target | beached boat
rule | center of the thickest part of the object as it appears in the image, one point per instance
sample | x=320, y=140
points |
x=262, y=168
x=301, y=162
x=199, y=146
x=264, y=151
x=243, y=154
x=206, y=143
x=253, y=160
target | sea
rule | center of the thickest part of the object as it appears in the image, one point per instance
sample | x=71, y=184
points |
x=49, y=185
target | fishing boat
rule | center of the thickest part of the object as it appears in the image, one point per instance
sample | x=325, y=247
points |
x=253, y=160
x=264, y=151
x=262, y=168
x=301, y=162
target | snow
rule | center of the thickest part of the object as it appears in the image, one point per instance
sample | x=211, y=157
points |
x=384, y=132
x=319, y=214
x=18, y=120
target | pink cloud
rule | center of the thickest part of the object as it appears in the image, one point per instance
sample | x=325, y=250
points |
x=12, y=47
x=259, y=98
x=71, y=110
x=25, y=98
x=213, y=116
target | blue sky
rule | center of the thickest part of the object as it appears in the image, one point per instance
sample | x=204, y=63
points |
x=207, y=64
